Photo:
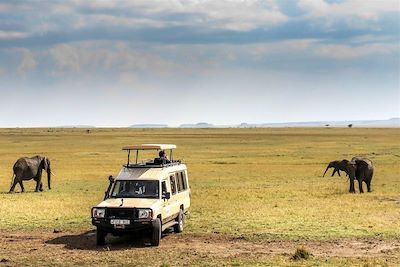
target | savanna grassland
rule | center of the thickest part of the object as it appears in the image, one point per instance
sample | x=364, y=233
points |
x=257, y=194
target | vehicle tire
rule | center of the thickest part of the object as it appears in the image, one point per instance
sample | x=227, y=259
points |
x=178, y=228
x=156, y=232
x=100, y=237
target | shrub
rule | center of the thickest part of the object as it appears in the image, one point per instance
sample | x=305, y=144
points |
x=301, y=253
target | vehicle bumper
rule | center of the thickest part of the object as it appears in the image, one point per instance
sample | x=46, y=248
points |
x=135, y=225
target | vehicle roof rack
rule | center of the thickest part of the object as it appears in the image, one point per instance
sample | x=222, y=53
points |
x=153, y=164
x=149, y=147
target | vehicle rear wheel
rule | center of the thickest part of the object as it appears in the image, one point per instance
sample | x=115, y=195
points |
x=178, y=228
x=156, y=232
x=100, y=237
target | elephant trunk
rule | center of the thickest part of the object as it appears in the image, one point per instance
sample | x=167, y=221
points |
x=326, y=171
x=48, y=177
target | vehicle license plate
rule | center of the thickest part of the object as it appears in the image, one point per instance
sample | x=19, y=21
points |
x=119, y=222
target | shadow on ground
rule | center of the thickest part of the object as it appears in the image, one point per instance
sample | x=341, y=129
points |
x=87, y=241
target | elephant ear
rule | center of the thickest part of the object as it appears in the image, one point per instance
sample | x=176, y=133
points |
x=351, y=169
x=45, y=163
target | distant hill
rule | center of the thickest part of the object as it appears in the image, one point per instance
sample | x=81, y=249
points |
x=197, y=125
x=390, y=123
x=393, y=122
x=149, y=126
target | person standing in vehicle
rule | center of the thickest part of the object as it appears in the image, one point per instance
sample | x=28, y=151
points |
x=163, y=157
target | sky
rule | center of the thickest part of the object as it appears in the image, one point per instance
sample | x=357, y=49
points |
x=118, y=63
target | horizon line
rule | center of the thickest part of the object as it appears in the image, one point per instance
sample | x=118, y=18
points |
x=233, y=125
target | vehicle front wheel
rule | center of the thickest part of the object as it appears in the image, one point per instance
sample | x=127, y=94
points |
x=156, y=232
x=178, y=228
x=100, y=237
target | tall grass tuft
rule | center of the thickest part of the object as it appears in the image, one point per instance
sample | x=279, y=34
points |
x=301, y=254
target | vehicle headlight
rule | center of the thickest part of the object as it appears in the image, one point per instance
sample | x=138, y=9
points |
x=144, y=213
x=98, y=213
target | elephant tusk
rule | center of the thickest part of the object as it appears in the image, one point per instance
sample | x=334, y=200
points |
x=52, y=173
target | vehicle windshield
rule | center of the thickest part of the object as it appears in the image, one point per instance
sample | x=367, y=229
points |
x=136, y=189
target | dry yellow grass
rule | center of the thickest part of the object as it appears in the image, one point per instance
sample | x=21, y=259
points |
x=257, y=184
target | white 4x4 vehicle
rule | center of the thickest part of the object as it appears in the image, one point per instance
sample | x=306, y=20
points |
x=151, y=195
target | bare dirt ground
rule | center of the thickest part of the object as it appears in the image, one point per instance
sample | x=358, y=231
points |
x=78, y=248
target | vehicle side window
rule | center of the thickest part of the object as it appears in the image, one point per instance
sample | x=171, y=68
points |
x=178, y=182
x=183, y=180
x=173, y=184
x=163, y=187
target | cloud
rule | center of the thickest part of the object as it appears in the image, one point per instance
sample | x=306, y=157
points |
x=4, y=35
x=370, y=10
x=281, y=47
x=314, y=7
x=67, y=57
x=223, y=14
x=353, y=52
x=28, y=62
x=113, y=20
x=92, y=56
x=172, y=37
x=190, y=21
x=235, y=15
x=238, y=15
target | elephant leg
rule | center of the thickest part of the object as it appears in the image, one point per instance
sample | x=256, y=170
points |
x=22, y=187
x=368, y=185
x=37, y=186
x=13, y=186
x=352, y=190
x=360, y=186
x=41, y=187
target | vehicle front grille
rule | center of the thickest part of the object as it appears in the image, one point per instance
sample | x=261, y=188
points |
x=121, y=213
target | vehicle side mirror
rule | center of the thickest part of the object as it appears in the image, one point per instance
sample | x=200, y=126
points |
x=166, y=195
x=111, y=179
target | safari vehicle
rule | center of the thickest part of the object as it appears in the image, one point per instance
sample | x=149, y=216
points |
x=151, y=195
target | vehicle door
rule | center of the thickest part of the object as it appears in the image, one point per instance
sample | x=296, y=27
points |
x=174, y=200
x=166, y=212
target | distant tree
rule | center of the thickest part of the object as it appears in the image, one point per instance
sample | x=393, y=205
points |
x=327, y=125
x=350, y=125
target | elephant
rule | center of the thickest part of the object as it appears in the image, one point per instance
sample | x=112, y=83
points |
x=339, y=165
x=364, y=173
x=28, y=168
x=360, y=169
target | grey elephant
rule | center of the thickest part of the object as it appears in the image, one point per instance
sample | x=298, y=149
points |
x=364, y=173
x=339, y=165
x=28, y=168
x=360, y=169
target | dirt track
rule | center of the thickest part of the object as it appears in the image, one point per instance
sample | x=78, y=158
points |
x=68, y=247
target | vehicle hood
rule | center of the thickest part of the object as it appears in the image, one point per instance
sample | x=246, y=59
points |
x=130, y=203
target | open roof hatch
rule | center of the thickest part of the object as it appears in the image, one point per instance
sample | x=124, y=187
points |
x=156, y=147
